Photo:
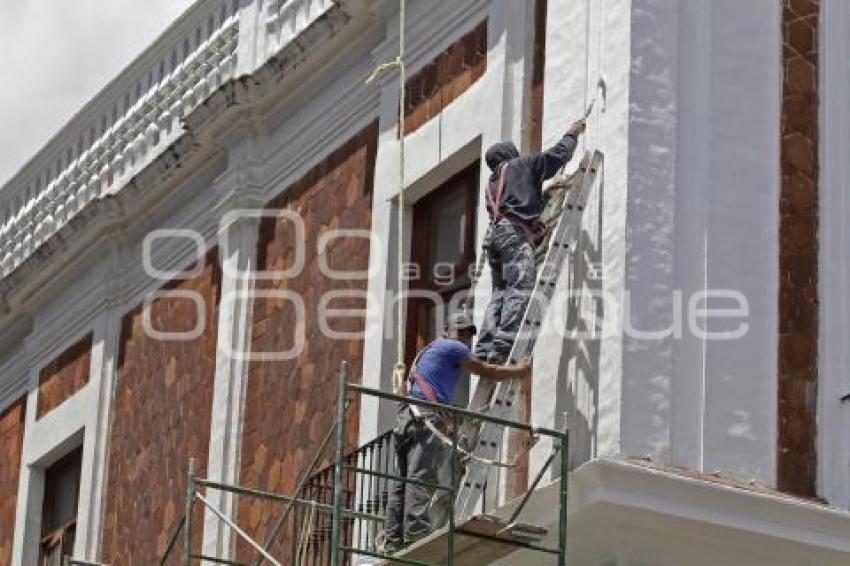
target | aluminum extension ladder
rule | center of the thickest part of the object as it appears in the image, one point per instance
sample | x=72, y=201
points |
x=497, y=399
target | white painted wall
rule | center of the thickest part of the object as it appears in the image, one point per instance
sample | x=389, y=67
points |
x=834, y=382
x=703, y=200
x=587, y=41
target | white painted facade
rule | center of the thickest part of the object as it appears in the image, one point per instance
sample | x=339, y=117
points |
x=688, y=122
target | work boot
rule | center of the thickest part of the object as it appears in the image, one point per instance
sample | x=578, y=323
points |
x=385, y=546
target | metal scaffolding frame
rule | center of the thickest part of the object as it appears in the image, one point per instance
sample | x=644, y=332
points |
x=340, y=550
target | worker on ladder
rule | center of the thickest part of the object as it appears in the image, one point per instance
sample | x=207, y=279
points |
x=420, y=442
x=515, y=201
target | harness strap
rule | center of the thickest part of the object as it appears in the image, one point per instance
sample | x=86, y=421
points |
x=495, y=202
x=424, y=386
x=431, y=396
x=411, y=376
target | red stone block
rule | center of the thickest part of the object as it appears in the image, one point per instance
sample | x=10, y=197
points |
x=437, y=85
x=798, y=277
x=289, y=406
x=158, y=427
x=64, y=376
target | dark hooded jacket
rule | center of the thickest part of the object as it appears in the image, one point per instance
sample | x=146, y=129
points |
x=522, y=197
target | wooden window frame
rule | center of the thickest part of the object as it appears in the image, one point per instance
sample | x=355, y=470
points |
x=417, y=318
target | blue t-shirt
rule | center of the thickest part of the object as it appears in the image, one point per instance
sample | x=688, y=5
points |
x=439, y=366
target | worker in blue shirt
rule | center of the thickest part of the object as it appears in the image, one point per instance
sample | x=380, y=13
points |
x=420, y=452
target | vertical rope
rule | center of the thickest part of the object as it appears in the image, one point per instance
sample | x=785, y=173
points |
x=587, y=73
x=398, y=374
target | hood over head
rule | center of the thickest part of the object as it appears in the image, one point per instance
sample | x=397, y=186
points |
x=499, y=153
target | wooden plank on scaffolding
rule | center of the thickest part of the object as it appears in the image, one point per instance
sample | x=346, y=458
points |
x=497, y=539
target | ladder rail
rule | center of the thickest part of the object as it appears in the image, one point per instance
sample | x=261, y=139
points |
x=484, y=440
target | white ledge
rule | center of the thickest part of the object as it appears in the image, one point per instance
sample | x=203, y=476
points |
x=612, y=500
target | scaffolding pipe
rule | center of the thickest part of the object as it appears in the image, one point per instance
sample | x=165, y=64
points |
x=474, y=415
x=336, y=539
x=173, y=540
x=533, y=486
x=284, y=498
x=301, y=484
x=392, y=477
x=562, y=523
x=212, y=559
x=190, y=500
x=451, y=545
x=238, y=530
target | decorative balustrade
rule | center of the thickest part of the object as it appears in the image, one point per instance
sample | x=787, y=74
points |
x=150, y=125
x=286, y=19
x=32, y=212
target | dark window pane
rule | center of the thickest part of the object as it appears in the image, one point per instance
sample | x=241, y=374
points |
x=61, y=492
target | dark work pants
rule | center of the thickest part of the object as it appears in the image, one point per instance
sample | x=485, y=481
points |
x=420, y=455
x=514, y=271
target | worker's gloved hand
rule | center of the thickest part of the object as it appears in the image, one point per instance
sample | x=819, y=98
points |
x=578, y=127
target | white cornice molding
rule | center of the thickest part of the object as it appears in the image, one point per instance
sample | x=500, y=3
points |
x=627, y=485
x=15, y=376
x=162, y=177
x=186, y=24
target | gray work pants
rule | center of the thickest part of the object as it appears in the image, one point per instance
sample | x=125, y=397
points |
x=514, y=271
x=420, y=455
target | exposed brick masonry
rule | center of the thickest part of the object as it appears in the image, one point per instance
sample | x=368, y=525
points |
x=64, y=376
x=445, y=78
x=12, y=421
x=290, y=405
x=162, y=410
x=798, y=257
